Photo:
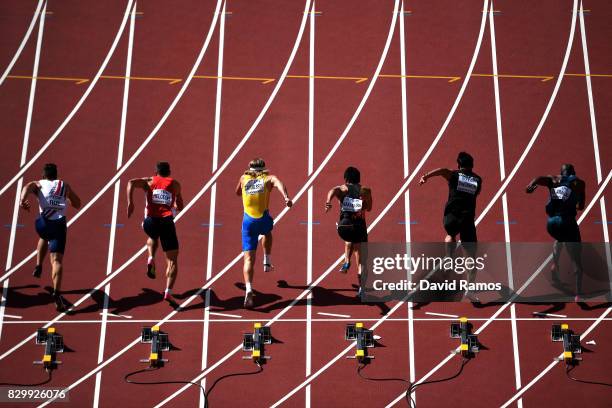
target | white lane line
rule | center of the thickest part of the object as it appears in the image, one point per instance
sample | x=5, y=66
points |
x=488, y=321
x=144, y=143
x=191, y=203
x=555, y=362
x=113, y=227
x=93, y=83
x=405, y=151
x=224, y=315
x=24, y=152
x=311, y=90
x=25, y=39
x=114, y=315
x=9, y=316
x=143, y=249
x=536, y=133
x=502, y=173
x=297, y=196
x=548, y=314
x=234, y=319
x=213, y=202
x=334, y=315
x=602, y=202
x=442, y=315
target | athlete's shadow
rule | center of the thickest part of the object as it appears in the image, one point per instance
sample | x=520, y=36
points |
x=323, y=297
x=233, y=303
x=146, y=297
x=20, y=300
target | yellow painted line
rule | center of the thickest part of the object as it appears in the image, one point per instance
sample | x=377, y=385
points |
x=313, y=12
x=77, y=81
x=171, y=81
x=357, y=80
x=139, y=13
x=543, y=78
x=449, y=78
x=592, y=75
x=262, y=80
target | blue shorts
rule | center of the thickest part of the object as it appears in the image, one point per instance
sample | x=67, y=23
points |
x=54, y=232
x=252, y=228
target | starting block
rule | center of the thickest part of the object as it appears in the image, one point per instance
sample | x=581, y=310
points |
x=364, y=339
x=255, y=343
x=469, y=345
x=159, y=341
x=54, y=343
x=571, y=343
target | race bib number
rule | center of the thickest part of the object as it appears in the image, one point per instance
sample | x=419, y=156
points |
x=56, y=202
x=162, y=197
x=352, y=204
x=467, y=184
x=561, y=193
x=254, y=186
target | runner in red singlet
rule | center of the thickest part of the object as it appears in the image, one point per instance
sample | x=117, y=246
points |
x=163, y=198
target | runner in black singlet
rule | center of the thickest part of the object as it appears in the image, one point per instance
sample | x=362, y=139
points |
x=354, y=200
x=566, y=195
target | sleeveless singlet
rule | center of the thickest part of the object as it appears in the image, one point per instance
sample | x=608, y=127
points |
x=255, y=196
x=352, y=203
x=463, y=187
x=52, y=199
x=563, y=199
x=160, y=198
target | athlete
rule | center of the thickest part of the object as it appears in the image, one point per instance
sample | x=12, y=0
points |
x=566, y=196
x=460, y=210
x=163, y=200
x=53, y=196
x=354, y=200
x=254, y=186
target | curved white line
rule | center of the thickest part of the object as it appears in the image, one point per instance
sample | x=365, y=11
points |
x=93, y=83
x=23, y=42
x=120, y=171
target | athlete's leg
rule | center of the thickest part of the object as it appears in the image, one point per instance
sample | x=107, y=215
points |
x=555, y=265
x=267, y=246
x=152, y=245
x=248, y=272
x=41, y=251
x=171, y=267
x=56, y=259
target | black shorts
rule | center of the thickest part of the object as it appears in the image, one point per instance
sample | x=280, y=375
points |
x=353, y=231
x=54, y=232
x=462, y=225
x=162, y=228
x=563, y=229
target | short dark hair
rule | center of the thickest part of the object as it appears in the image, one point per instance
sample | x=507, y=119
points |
x=568, y=170
x=163, y=169
x=465, y=160
x=50, y=171
x=352, y=175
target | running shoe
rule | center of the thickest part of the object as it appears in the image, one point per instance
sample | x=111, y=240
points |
x=170, y=299
x=60, y=303
x=248, y=300
x=37, y=271
x=345, y=267
x=268, y=267
x=151, y=271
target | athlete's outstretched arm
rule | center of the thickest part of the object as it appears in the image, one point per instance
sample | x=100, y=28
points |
x=580, y=192
x=239, y=187
x=282, y=189
x=442, y=172
x=142, y=183
x=74, y=199
x=178, y=204
x=546, y=181
x=334, y=192
x=367, y=198
x=30, y=188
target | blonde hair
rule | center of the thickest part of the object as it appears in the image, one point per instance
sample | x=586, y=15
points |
x=257, y=167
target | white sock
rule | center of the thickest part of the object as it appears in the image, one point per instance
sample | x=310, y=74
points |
x=149, y=260
x=267, y=259
x=169, y=291
x=248, y=287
